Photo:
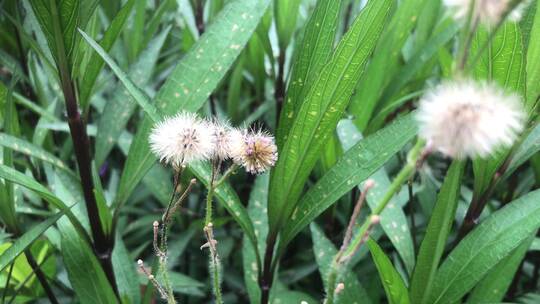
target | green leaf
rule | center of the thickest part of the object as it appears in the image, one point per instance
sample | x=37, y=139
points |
x=325, y=252
x=535, y=245
x=286, y=12
x=84, y=271
x=311, y=55
x=23, y=146
x=184, y=284
x=446, y=31
x=319, y=113
x=96, y=62
x=135, y=35
x=532, y=69
x=103, y=212
x=528, y=148
x=137, y=93
x=503, y=63
x=438, y=229
x=290, y=296
x=26, y=240
x=503, y=60
x=258, y=214
x=494, y=285
x=125, y=272
x=10, y=124
x=194, y=78
x=395, y=289
x=28, y=182
x=485, y=247
x=385, y=62
x=356, y=165
x=120, y=108
x=393, y=219
x=70, y=15
x=157, y=20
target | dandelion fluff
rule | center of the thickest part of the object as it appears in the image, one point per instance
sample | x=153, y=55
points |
x=487, y=11
x=223, y=136
x=182, y=139
x=255, y=151
x=467, y=119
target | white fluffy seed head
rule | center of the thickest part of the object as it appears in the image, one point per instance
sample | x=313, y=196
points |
x=468, y=119
x=487, y=11
x=255, y=150
x=182, y=139
x=223, y=135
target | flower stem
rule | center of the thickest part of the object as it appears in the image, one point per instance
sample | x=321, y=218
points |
x=226, y=175
x=215, y=265
x=467, y=37
x=103, y=243
x=210, y=196
x=346, y=252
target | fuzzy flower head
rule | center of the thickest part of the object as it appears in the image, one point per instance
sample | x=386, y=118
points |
x=223, y=137
x=487, y=11
x=468, y=119
x=255, y=151
x=182, y=139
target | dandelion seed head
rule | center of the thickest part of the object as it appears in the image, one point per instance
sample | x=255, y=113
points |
x=487, y=11
x=339, y=288
x=223, y=136
x=255, y=151
x=182, y=139
x=468, y=119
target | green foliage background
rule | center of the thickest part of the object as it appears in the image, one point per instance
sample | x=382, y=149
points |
x=336, y=81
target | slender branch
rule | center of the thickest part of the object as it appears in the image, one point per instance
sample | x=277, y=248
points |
x=279, y=87
x=342, y=258
x=103, y=244
x=339, y=259
x=210, y=196
x=350, y=247
x=267, y=277
x=411, y=211
x=226, y=175
x=8, y=279
x=480, y=201
x=199, y=16
x=27, y=278
x=152, y=280
x=41, y=276
x=356, y=212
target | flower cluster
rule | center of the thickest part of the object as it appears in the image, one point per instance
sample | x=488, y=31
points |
x=185, y=138
x=468, y=119
x=486, y=11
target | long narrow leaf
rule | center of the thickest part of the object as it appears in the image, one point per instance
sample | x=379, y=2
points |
x=395, y=289
x=312, y=54
x=484, y=247
x=26, y=240
x=356, y=165
x=320, y=113
x=439, y=227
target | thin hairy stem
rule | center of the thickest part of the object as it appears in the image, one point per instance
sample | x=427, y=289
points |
x=414, y=158
x=152, y=280
x=356, y=212
x=215, y=264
